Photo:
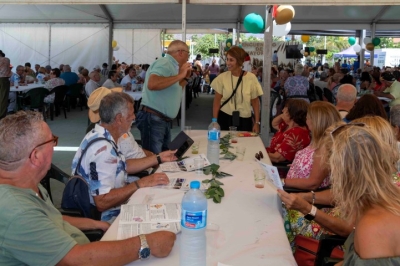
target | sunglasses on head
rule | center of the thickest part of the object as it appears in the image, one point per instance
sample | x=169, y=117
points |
x=343, y=126
x=259, y=155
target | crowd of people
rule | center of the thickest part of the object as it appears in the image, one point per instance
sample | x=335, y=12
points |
x=344, y=153
x=117, y=75
x=342, y=164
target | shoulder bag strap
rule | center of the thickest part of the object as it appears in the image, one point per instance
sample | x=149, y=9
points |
x=87, y=147
x=234, y=91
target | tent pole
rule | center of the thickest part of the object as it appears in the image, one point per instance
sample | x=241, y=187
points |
x=372, y=53
x=238, y=33
x=266, y=80
x=49, y=44
x=362, y=52
x=110, y=48
x=183, y=104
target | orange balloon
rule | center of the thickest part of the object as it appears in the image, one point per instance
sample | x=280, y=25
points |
x=305, y=38
x=370, y=46
x=284, y=14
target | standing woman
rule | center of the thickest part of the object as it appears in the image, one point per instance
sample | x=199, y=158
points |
x=236, y=93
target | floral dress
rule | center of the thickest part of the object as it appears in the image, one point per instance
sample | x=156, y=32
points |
x=288, y=142
x=295, y=223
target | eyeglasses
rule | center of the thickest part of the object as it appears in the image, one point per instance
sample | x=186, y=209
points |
x=54, y=140
x=182, y=51
x=259, y=155
x=343, y=126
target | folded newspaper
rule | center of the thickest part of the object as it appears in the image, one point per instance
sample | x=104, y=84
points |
x=139, y=219
x=185, y=165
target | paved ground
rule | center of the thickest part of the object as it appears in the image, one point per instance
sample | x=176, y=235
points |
x=72, y=130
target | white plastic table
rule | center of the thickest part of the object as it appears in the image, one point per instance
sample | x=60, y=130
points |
x=251, y=230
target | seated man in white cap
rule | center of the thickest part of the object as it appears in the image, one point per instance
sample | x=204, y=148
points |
x=126, y=143
x=104, y=167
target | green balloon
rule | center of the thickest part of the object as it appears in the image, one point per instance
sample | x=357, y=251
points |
x=312, y=49
x=376, y=41
x=228, y=41
x=352, y=40
x=254, y=23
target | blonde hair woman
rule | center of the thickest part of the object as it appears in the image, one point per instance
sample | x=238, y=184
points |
x=362, y=163
x=303, y=202
x=308, y=170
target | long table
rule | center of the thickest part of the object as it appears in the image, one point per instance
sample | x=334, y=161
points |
x=245, y=229
x=23, y=88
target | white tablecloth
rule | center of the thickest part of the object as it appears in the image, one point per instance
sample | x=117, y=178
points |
x=136, y=95
x=26, y=88
x=250, y=224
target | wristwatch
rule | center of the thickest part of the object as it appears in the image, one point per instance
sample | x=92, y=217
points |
x=144, y=251
x=187, y=80
x=311, y=215
x=159, y=159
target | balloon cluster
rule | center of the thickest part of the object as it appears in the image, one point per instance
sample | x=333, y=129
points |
x=114, y=45
x=369, y=43
x=283, y=14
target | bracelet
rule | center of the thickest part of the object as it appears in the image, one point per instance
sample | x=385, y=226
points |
x=137, y=184
x=159, y=159
x=187, y=80
x=313, y=197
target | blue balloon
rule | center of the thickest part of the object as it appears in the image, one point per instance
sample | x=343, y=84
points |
x=254, y=23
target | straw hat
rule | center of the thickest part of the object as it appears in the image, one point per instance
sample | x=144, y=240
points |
x=94, y=101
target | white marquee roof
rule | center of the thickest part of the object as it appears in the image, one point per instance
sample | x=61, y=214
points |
x=200, y=14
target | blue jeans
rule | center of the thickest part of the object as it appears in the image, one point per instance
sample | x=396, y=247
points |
x=154, y=131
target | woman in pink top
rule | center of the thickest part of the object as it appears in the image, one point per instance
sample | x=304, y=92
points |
x=308, y=171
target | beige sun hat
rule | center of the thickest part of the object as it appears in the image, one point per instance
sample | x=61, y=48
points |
x=94, y=101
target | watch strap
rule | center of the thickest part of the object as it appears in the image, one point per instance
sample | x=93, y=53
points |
x=159, y=159
x=143, y=245
x=311, y=215
x=186, y=79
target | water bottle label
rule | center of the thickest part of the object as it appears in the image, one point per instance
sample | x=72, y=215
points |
x=194, y=220
x=213, y=135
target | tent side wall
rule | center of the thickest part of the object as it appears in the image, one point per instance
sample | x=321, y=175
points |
x=75, y=44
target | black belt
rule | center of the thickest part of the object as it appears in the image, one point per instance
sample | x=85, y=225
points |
x=154, y=112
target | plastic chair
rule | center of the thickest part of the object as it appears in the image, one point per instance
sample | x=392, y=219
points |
x=275, y=107
x=74, y=93
x=329, y=95
x=58, y=174
x=312, y=95
x=320, y=93
x=33, y=99
x=59, y=101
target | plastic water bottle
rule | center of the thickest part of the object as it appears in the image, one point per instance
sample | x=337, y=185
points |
x=358, y=86
x=194, y=221
x=214, y=131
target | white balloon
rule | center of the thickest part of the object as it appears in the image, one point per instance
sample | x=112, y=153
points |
x=116, y=48
x=356, y=48
x=280, y=30
x=302, y=51
x=367, y=40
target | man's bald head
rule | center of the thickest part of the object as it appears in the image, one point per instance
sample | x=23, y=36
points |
x=177, y=45
x=347, y=93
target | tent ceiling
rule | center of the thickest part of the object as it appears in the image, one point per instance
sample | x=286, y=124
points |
x=203, y=16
